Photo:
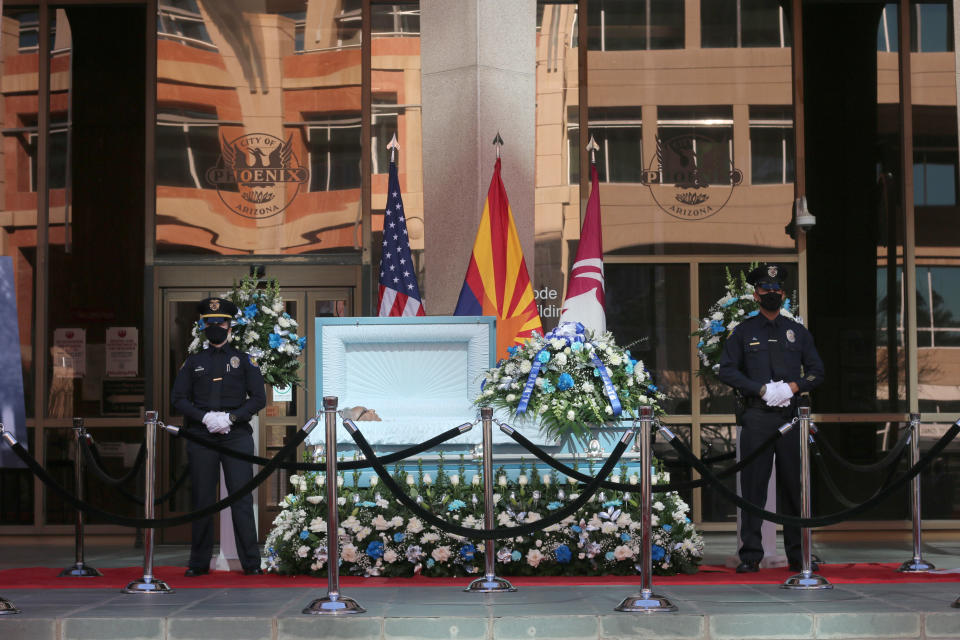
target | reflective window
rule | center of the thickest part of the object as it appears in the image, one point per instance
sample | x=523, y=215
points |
x=931, y=27
x=619, y=134
x=625, y=25
x=697, y=145
x=187, y=145
x=771, y=145
x=743, y=23
x=181, y=21
x=935, y=177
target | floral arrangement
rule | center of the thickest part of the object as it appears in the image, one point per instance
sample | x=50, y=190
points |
x=381, y=538
x=263, y=329
x=724, y=315
x=563, y=380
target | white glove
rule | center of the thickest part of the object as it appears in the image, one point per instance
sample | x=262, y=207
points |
x=786, y=394
x=210, y=420
x=770, y=393
x=224, y=422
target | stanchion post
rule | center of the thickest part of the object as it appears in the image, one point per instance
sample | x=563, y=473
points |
x=79, y=569
x=806, y=579
x=489, y=583
x=646, y=601
x=916, y=564
x=332, y=604
x=148, y=584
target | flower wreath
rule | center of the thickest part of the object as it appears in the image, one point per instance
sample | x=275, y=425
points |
x=263, y=329
x=570, y=379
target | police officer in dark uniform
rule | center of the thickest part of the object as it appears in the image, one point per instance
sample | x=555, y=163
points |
x=769, y=359
x=218, y=390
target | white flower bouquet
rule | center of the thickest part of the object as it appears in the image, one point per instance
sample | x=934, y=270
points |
x=381, y=538
x=263, y=329
x=736, y=305
x=570, y=380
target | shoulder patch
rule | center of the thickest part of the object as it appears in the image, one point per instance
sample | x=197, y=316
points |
x=253, y=360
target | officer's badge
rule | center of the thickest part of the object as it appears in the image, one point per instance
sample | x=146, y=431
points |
x=198, y=369
x=791, y=336
x=772, y=271
x=235, y=362
x=214, y=304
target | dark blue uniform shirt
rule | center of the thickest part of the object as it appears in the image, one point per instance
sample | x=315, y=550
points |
x=746, y=363
x=219, y=379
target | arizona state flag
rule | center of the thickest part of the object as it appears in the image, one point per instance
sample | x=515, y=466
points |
x=497, y=282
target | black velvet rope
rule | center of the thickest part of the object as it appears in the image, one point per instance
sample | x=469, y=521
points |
x=892, y=456
x=346, y=465
x=92, y=455
x=145, y=523
x=835, y=490
x=542, y=455
x=819, y=521
x=487, y=534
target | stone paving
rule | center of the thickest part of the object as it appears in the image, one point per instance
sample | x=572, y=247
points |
x=846, y=612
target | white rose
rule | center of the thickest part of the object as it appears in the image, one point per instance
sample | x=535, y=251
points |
x=717, y=316
x=522, y=480
x=608, y=527
x=414, y=525
x=546, y=479
x=634, y=479
x=295, y=480
x=534, y=556
x=341, y=501
x=511, y=397
x=502, y=481
x=454, y=479
x=623, y=552
x=339, y=481
x=427, y=538
x=390, y=556
x=441, y=554
x=560, y=359
x=314, y=499
x=427, y=479
x=475, y=480
x=317, y=525
x=380, y=523
x=658, y=505
x=410, y=479
x=374, y=480
x=303, y=551
x=570, y=415
x=349, y=553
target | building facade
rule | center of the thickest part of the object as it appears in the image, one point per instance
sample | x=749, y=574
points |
x=123, y=122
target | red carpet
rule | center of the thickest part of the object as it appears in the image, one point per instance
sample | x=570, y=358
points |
x=45, y=578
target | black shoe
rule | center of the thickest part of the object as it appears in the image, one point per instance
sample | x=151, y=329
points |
x=798, y=566
x=748, y=566
x=193, y=572
x=256, y=571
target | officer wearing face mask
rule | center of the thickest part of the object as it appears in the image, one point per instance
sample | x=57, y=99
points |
x=769, y=359
x=217, y=391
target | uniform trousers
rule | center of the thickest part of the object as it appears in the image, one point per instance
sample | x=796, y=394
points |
x=204, y=477
x=758, y=424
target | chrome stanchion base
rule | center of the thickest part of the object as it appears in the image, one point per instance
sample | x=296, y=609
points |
x=646, y=602
x=7, y=608
x=916, y=565
x=147, y=585
x=490, y=584
x=956, y=604
x=806, y=582
x=333, y=606
x=80, y=570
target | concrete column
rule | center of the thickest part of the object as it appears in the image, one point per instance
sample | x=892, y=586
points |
x=479, y=76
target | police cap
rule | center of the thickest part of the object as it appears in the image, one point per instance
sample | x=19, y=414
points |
x=216, y=308
x=767, y=273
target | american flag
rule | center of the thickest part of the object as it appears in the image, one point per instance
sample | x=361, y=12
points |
x=399, y=293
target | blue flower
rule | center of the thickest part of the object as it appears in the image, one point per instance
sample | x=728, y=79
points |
x=201, y=324
x=609, y=555
x=786, y=304
x=430, y=563
x=612, y=503
x=467, y=551
x=250, y=311
x=553, y=506
x=575, y=528
x=657, y=552
x=596, y=372
x=717, y=327
x=576, y=346
x=368, y=503
x=752, y=313
x=700, y=344
x=399, y=536
x=667, y=528
x=728, y=302
x=625, y=537
x=375, y=549
x=543, y=356
x=565, y=381
x=516, y=555
x=548, y=387
x=456, y=504
x=629, y=367
x=652, y=387
x=513, y=350
x=563, y=554
x=275, y=341
x=304, y=534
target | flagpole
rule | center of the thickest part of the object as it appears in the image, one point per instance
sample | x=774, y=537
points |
x=393, y=145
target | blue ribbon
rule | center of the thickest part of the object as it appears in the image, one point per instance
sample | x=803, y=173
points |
x=608, y=387
x=531, y=382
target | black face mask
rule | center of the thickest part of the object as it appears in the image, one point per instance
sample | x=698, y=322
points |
x=215, y=333
x=771, y=301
